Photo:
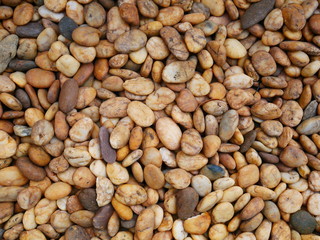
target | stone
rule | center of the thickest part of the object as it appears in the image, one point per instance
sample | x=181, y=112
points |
x=213, y=172
x=187, y=201
x=256, y=12
x=310, y=111
x=21, y=65
x=309, y=126
x=30, y=30
x=109, y=155
x=66, y=27
x=8, y=50
x=303, y=222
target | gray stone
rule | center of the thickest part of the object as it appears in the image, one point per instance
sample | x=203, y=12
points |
x=303, y=222
x=21, y=65
x=309, y=126
x=311, y=110
x=256, y=13
x=66, y=27
x=30, y=30
x=8, y=50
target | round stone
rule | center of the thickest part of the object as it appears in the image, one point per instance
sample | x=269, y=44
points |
x=303, y=222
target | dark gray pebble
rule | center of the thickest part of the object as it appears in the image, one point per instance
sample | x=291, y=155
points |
x=248, y=140
x=256, y=13
x=21, y=65
x=303, y=222
x=23, y=98
x=30, y=30
x=311, y=110
x=66, y=27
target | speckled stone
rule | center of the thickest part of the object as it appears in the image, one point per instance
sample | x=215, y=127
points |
x=303, y=222
x=8, y=50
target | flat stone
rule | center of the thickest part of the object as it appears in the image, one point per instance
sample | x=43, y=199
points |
x=109, y=155
x=21, y=65
x=249, y=138
x=311, y=110
x=256, y=13
x=66, y=27
x=213, y=172
x=30, y=30
x=8, y=50
x=102, y=216
x=309, y=126
x=303, y=222
x=187, y=201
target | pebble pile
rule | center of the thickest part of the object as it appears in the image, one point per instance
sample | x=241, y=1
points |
x=159, y=119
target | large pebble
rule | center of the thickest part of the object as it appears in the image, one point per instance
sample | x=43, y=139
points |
x=303, y=222
x=293, y=157
x=40, y=78
x=66, y=27
x=187, y=201
x=228, y=125
x=108, y=153
x=309, y=126
x=68, y=95
x=21, y=65
x=8, y=145
x=141, y=114
x=178, y=72
x=30, y=30
x=169, y=133
x=8, y=50
x=130, y=41
x=256, y=12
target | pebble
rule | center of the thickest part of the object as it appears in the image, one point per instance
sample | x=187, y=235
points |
x=108, y=153
x=66, y=27
x=178, y=72
x=228, y=125
x=87, y=198
x=46, y=13
x=303, y=222
x=249, y=138
x=21, y=65
x=102, y=216
x=8, y=145
x=256, y=12
x=130, y=41
x=40, y=78
x=68, y=95
x=30, y=30
x=8, y=50
x=310, y=111
x=76, y=232
x=309, y=126
x=213, y=172
x=187, y=201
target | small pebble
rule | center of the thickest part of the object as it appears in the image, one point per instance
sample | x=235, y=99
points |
x=213, y=172
x=66, y=27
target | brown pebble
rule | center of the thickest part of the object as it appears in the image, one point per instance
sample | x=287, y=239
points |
x=30, y=170
x=187, y=200
x=102, y=216
x=108, y=153
x=68, y=95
